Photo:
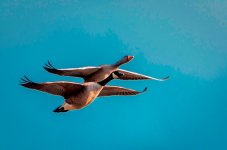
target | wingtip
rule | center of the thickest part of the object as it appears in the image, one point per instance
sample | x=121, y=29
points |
x=21, y=84
x=166, y=78
x=49, y=67
x=145, y=89
x=162, y=79
x=24, y=81
x=46, y=68
x=159, y=79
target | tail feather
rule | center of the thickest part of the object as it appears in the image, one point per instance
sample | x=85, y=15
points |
x=60, y=109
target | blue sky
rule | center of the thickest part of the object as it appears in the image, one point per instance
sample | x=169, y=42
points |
x=186, y=40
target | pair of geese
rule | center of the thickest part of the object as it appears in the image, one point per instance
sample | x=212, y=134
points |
x=77, y=95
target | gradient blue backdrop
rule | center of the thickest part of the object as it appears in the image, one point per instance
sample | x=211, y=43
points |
x=186, y=40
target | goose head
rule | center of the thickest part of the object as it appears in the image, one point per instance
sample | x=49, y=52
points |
x=123, y=60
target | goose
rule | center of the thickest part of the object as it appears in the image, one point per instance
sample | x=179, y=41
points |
x=78, y=96
x=98, y=73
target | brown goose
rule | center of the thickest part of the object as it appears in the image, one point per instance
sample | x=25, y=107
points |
x=96, y=74
x=77, y=95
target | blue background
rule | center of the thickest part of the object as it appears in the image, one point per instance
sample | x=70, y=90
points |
x=186, y=40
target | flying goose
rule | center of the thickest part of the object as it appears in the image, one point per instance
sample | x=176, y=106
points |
x=96, y=74
x=77, y=95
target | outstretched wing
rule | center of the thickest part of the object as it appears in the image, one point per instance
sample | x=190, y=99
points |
x=136, y=76
x=76, y=72
x=117, y=90
x=60, y=88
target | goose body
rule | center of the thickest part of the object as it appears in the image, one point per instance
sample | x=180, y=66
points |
x=77, y=95
x=86, y=95
x=96, y=74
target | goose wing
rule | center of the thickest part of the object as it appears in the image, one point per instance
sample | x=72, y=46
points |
x=128, y=75
x=76, y=72
x=60, y=88
x=117, y=90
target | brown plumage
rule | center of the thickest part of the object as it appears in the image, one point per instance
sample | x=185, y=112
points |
x=77, y=95
x=96, y=74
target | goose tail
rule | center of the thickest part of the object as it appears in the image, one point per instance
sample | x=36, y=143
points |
x=60, y=109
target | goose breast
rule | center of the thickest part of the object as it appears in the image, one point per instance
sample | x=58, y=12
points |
x=86, y=95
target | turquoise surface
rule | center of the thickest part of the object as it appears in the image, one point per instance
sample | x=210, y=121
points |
x=186, y=40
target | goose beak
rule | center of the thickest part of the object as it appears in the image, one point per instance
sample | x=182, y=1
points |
x=130, y=58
